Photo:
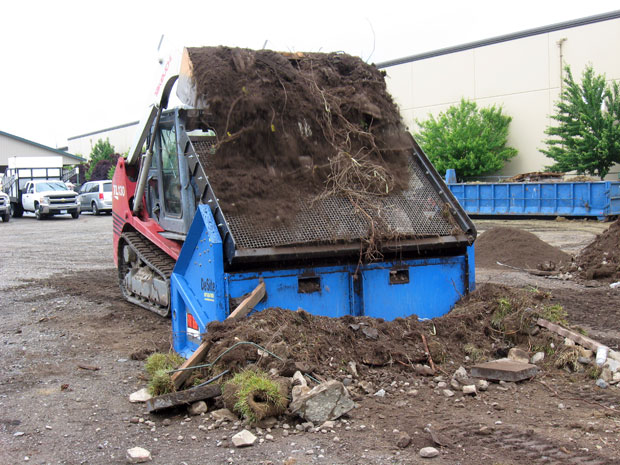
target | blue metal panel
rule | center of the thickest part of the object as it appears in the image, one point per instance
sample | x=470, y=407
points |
x=430, y=290
x=322, y=291
x=197, y=284
x=597, y=199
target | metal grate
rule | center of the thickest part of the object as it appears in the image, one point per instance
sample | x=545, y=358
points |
x=413, y=213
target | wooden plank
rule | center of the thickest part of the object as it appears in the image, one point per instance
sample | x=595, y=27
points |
x=180, y=398
x=249, y=302
x=578, y=338
x=179, y=377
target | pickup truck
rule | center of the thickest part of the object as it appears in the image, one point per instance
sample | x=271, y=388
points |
x=5, y=207
x=49, y=197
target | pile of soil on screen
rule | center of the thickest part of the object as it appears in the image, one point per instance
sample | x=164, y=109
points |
x=281, y=119
x=600, y=260
x=518, y=248
x=483, y=325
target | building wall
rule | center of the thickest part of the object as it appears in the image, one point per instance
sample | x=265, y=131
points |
x=521, y=75
x=10, y=147
x=121, y=138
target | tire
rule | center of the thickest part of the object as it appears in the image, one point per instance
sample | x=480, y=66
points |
x=38, y=213
x=17, y=210
x=95, y=209
x=75, y=215
x=6, y=217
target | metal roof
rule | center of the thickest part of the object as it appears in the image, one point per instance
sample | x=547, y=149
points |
x=36, y=144
x=120, y=126
x=503, y=38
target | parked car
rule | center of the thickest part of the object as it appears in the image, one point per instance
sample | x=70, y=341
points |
x=96, y=196
x=5, y=207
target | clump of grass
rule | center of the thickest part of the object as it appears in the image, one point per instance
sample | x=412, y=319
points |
x=504, y=308
x=569, y=357
x=157, y=366
x=555, y=314
x=594, y=372
x=159, y=361
x=256, y=395
x=160, y=383
x=473, y=352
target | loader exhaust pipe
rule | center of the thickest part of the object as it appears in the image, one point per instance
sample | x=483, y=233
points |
x=146, y=164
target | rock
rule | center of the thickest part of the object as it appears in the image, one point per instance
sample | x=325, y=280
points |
x=347, y=382
x=224, y=414
x=461, y=373
x=441, y=385
x=482, y=384
x=424, y=370
x=243, y=439
x=454, y=384
x=366, y=386
x=504, y=370
x=299, y=379
x=428, y=452
x=448, y=393
x=616, y=377
x=329, y=424
x=138, y=455
x=167, y=422
x=518, y=355
x=197, y=408
x=606, y=375
x=584, y=360
x=308, y=425
x=537, y=357
x=568, y=342
x=471, y=389
x=380, y=393
x=327, y=401
x=601, y=383
x=353, y=369
x=142, y=395
x=299, y=391
x=403, y=440
x=268, y=437
x=612, y=364
x=370, y=333
x=586, y=352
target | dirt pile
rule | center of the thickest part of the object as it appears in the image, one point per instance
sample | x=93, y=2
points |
x=517, y=248
x=293, y=126
x=483, y=325
x=601, y=259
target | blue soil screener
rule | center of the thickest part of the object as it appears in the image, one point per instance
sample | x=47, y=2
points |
x=424, y=261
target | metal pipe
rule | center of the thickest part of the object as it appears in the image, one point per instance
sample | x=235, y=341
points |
x=146, y=165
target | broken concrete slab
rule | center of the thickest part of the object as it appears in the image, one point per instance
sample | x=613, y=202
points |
x=186, y=397
x=138, y=455
x=243, y=439
x=504, y=370
x=141, y=395
x=327, y=401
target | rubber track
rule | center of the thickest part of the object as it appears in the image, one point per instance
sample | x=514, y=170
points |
x=156, y=259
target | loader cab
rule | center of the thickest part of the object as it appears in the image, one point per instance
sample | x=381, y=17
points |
x=169, y=195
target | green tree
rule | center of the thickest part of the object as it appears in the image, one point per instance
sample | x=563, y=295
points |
x=469, y=139
x=586, y=137
x=102, y=150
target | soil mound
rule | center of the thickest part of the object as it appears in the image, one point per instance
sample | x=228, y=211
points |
x=485, y=323
x=294, y=126
x=517, y=248
x=601, y=259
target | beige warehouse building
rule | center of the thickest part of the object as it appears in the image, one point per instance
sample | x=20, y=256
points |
x=521, y=72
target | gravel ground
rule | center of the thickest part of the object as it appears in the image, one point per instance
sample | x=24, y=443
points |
x=61, y=310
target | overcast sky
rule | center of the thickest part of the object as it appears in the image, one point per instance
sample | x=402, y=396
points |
x=71, y=67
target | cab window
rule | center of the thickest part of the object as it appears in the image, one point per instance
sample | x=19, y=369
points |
x=170, y=172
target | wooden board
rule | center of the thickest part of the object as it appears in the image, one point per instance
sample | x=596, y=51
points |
x=249, y=302
x=179, y=377
x=180, y=398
